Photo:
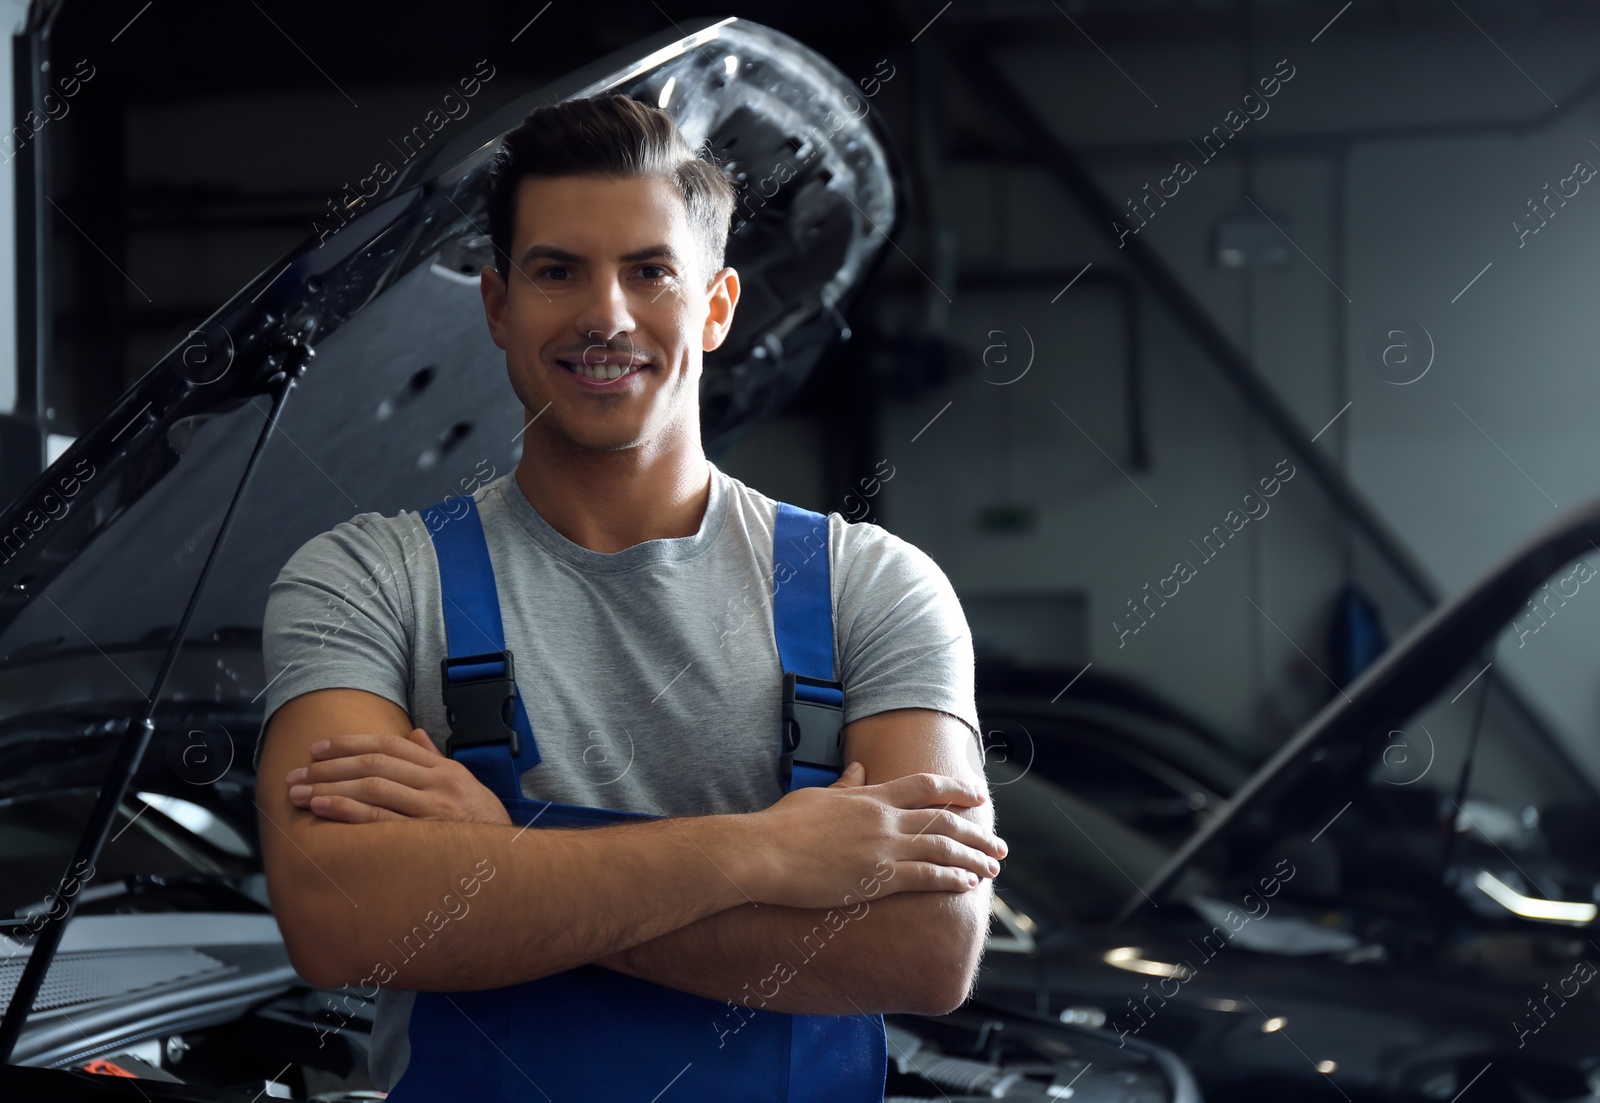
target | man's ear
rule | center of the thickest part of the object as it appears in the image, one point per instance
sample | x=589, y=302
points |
x=722, y=297
x=493, y=289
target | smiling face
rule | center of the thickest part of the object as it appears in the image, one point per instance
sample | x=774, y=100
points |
x=606, y=274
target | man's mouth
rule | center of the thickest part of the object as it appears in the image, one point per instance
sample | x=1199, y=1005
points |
x=605, y=369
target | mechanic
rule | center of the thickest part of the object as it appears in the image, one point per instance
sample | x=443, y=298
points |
x=637, y=585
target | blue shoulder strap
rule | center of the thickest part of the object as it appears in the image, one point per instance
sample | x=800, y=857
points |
x=490, y=733
x=802, y=616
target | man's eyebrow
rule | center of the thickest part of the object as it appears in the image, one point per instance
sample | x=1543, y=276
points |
x=649, y=252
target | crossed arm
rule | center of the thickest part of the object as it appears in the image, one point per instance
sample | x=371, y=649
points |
x=881, y=948
x=916, y=951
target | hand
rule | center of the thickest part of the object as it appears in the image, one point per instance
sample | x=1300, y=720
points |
x=823, y=847
x=366, y=777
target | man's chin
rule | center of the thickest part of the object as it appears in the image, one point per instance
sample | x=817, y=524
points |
x=596, y=439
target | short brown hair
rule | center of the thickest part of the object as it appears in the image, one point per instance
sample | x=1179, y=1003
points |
x=612, y=135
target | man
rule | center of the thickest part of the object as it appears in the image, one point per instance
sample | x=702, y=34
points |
x=635, y=586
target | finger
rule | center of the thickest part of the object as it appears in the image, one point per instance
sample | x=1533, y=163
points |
x=944, y=850
x=366, y=765
x=377, y=791
x=346, y=744
x=852, y=776
x=931, y=791
x=346, y=810
x=913, y=876
x=919, y=821
x=422, y=739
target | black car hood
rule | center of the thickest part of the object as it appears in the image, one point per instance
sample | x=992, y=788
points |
x=1336, y=745
x=361, y=370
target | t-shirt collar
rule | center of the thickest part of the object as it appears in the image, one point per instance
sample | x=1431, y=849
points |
x=674, y=549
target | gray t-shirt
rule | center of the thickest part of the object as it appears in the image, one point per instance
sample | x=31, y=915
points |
x=650, y=675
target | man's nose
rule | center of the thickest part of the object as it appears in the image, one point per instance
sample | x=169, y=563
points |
x=605, y=311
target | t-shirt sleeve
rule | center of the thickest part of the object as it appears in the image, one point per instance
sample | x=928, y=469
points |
x=905, y=641
x=338, y=616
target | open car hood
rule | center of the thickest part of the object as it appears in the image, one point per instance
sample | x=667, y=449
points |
x=1337, y=745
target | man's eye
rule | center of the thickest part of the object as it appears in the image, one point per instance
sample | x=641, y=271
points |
x=664, y=273
x=552, y=268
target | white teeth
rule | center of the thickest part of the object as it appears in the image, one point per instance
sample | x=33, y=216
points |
x=600, y=372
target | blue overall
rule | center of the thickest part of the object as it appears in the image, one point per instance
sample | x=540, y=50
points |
x=592, y=1033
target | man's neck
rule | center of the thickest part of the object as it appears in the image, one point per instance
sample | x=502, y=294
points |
x=609, y=501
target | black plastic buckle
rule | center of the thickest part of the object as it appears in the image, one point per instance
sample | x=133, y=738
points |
x=479, y=710
x=813, y=732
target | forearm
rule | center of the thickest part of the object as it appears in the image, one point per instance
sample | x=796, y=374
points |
x=915, y=951
x=458, y=906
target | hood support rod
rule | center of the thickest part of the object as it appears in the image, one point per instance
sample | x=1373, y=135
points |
x=130, y=752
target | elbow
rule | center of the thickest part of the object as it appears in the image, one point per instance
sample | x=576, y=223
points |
x=315, y=967
x=950, y=980
x=316, y=938
x=319, y=957
x=949, y=986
